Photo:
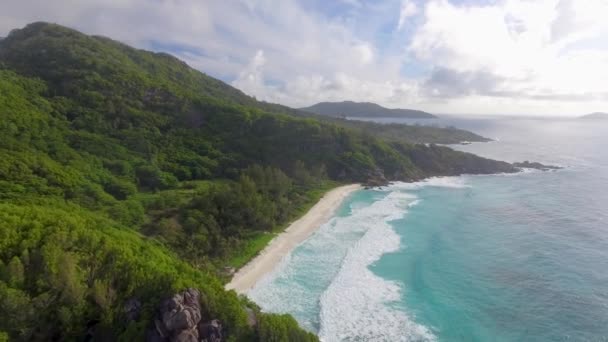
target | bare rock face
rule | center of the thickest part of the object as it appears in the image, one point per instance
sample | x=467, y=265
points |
x=132, y=309
x=179, y=320
x=210, y=332
x=375, y=178
x=182, y=312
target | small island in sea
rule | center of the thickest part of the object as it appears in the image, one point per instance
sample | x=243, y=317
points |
x=595, y=116
x=364, y=110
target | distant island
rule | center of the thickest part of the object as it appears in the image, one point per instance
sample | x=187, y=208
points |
x=364, y=109
x=595, y=116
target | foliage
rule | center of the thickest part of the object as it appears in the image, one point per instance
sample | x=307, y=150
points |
x=412, y=134
x=76, y=266
x=124, y=173
x=280, y=328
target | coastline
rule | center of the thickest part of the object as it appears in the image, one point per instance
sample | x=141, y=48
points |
x=247, y=276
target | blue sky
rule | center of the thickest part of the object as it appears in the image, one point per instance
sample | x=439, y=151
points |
x=543, y=57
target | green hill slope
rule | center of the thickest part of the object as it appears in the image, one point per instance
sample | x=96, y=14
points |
x=126, y=174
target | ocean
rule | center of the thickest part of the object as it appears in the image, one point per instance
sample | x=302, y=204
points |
x=472, y=258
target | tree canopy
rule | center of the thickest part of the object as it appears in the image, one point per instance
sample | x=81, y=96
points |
x=126, y=174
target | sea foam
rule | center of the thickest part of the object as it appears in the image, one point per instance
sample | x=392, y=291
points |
x=326, y=282
x=299, y=280
x=357, y=304
x=457, y=182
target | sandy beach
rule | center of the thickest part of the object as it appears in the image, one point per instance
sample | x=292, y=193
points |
x=298, y=231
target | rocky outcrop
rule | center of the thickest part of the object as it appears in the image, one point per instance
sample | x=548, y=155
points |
x=375, y=178
x=132, y=309
x=179, y=320
x=535, y=165
x=210, y=332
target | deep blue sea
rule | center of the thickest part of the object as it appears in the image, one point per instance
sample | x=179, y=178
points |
x=474, y=258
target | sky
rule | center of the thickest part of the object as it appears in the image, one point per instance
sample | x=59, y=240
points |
x=532, y=57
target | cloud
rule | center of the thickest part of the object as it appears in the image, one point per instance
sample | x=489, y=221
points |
x=355, y=3
x=527, y=56
x=517, y=49
x=251, y=79
x=448, y=83
x=576, y=20
x=408, y=9
x=365, y=52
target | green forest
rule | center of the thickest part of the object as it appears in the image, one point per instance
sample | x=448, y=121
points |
x=126, y=174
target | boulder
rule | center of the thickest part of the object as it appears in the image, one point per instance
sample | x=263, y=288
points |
x=211, y=331
x=179, y=320
x=375, y=178
x=132, y=309
x=182, y=311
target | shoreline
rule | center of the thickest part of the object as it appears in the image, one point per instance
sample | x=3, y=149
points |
x=298, y=231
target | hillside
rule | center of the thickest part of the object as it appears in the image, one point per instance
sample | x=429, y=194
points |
x=364, y=109
x=595, y=116
x=412, y=134
x=126, y=176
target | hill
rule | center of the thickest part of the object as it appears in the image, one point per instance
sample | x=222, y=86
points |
x=411, y=133
x=126, y=176
x=364, y=109
x=595, y=116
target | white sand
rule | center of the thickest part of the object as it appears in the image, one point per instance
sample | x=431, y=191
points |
x=280, y=246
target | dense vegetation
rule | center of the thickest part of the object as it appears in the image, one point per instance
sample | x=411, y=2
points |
x=408, y=134
x=126, y=174
x=412, y=134
x=364, y=109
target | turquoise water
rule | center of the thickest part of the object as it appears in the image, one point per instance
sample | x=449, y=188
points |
x=473, y=258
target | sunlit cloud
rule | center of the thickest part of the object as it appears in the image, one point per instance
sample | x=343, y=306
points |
x=508, y=56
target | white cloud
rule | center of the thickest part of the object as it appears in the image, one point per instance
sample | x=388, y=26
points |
x=251, y=79
x=527, y=51
x=408, y=9
x=365, y=52
x=540, y=56
x=355, y=3
x=576, y=20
